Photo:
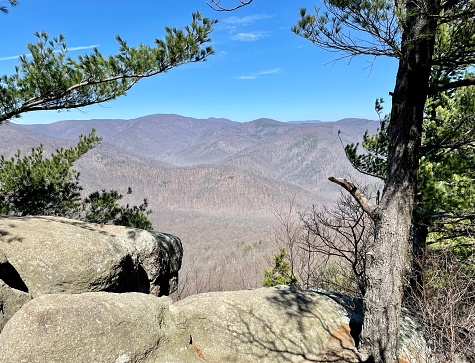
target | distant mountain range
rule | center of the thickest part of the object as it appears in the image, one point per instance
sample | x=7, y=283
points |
x=305, y=122
x=261, y=160
x=207, y=180
x=300, y=154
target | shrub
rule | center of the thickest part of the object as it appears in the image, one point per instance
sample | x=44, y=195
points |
x=280, y=273
x=36, y=185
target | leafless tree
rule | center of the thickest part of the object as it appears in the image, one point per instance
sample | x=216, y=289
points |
x=291, y=234
x=327, y=247
x=344, y=232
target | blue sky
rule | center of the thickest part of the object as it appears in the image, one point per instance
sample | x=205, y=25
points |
x=260, y=69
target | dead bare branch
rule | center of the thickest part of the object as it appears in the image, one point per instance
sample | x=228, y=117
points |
x=216, y=5
x=368, y=206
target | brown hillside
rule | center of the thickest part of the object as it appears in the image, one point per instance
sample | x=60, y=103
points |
x=214, y=183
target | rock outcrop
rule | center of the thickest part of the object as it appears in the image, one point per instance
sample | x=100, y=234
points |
x=262, y=325
x=266, y=325
x=11, y=300
x=49, y=255
x=77, y=292
x=91, y=327
x=12, y=291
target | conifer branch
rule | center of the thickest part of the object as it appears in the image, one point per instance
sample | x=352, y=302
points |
x=53, y=81
x=4, y=9
x=441, y=87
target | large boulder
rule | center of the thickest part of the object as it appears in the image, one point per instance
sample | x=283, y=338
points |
x=161, y=259
x=284, y=324
x=11, y=300
x=265, y=325
x=262, y=325
x=59, y=255
x=12, y=291
x=91, y=327
x=48, y=255
x=413, y=346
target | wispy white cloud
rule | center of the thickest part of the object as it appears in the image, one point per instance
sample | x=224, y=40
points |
x=246, y=19
x=261, y=73
x=271, y=71
x=247, y=77
x=250, y=37
x=11, y=57
x=83, y=47
x=72, y=49
x=237, y=27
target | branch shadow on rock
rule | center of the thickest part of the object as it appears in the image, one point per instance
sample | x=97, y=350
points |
x=7, y=236
x=310, y=335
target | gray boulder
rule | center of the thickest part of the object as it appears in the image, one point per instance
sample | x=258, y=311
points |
x=159, y=256
x=12, y=291
x=161, y=259
x=413, y=346
x=264, y=325
x=11, y=300
x=59, y=255
x=91, y=327
x=48, y=255
x=283, y=324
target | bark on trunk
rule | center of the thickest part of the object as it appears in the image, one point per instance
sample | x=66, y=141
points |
x=382, y=302
x=386, y=262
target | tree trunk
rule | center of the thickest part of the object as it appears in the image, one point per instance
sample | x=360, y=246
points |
x=382, y=302
x=387, y=260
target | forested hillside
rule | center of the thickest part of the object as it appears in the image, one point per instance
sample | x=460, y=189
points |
x=215, y=183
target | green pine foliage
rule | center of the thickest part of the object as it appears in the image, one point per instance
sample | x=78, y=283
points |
x=50, y=80
x=280, y=273
x=4, y=8
x=446, y=173
x=35, y=185
x=39, y=185
x=373, y=161
x=103, y=207
x=446, y=190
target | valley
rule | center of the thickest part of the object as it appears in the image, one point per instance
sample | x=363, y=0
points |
x=215, y=183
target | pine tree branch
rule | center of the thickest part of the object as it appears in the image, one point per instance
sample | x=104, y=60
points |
x=53, y=81
x=4, y=9
x=368, y=206
x=325, y=30
x=54, y=103
x=437, y=88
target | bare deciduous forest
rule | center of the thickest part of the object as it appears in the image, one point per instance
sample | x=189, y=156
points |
x=218, y=185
